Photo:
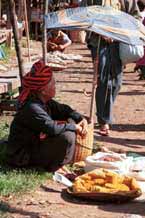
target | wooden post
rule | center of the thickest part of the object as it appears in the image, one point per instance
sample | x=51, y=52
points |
x=27, y=29
x=20, y=10
x=44, y=41
x=29, y=9
x=16, y=36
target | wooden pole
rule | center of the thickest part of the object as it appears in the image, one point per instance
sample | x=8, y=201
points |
x=27, y=29
x=11, y=4
x=29, y=9
x=44, y=41
x=20, y=10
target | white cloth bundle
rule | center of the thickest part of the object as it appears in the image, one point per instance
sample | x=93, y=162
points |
x=130, y=53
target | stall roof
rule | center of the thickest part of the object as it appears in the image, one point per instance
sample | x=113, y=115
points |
x=105, y=21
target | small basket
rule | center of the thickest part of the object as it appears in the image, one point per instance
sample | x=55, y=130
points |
x=84, y=146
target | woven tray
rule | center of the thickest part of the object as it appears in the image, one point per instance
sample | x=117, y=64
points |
x=106, y=197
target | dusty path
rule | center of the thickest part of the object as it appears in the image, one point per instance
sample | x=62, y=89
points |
x=51, y=202
x=128, y=133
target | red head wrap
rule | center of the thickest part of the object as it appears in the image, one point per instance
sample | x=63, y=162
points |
x=38, y=77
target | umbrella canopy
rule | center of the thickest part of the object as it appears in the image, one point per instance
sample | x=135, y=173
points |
x=105, y=21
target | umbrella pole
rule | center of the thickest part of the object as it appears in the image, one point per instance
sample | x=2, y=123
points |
x=94, y=83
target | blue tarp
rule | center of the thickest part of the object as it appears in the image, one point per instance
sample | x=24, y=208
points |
x=105, y=21
x=2, y=53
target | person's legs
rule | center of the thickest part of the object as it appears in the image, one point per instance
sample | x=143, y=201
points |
x=117, y=70
x=117, y=82
x=54, y=152
x=109, y=82
x=141, y=72
x=100, y=92
x=104, y=87
x=104, y=103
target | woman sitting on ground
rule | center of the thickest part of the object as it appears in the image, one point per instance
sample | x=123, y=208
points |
x=38, y=136
x=57, y=41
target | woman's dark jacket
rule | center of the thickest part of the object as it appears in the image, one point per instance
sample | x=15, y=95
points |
x=34, y=118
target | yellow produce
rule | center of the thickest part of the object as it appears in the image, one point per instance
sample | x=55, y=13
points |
x=104, y=181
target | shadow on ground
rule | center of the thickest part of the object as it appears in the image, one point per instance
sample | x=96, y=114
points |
x=131, y=207
x=128, y=127
x=6, y=208
x=124, y=142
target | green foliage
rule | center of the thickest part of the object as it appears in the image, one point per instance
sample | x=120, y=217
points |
x=9, y=52
x=20, y=180
x=4, y=129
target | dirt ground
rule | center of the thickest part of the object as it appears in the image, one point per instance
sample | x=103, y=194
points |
x=128, y=133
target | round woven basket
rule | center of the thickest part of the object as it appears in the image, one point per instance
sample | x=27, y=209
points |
x=84, y=145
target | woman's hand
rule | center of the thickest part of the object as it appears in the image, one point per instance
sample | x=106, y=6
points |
x=79, y=129
x=60, y=47
x=82, y=127
x=52, y=46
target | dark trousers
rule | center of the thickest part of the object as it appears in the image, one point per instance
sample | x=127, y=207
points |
x=54, y=152
x=109, y=79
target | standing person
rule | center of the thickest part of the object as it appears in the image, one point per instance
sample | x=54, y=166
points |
x=110, y=66
x=57, y=41
x=38, y=136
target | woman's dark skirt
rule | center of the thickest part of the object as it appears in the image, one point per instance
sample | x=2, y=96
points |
x=54, y=152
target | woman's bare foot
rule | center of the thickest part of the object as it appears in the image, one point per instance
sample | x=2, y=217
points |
x=63, y=170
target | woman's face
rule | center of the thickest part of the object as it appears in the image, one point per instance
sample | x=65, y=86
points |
x=55, y=33
x=48, y=91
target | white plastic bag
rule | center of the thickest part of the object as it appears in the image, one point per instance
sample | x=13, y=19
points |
x=95, y=161
x=130, y=53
